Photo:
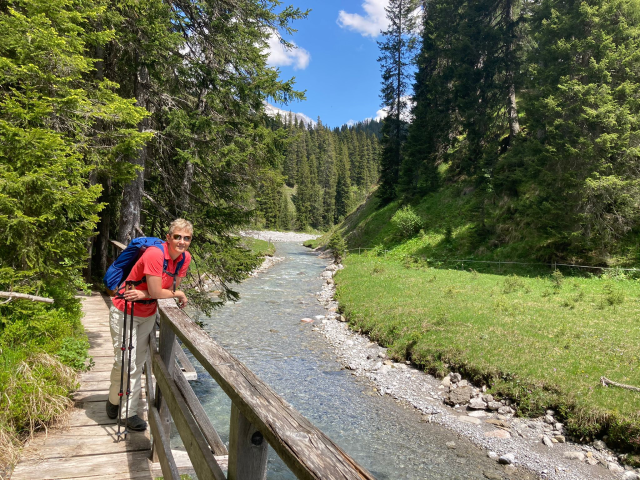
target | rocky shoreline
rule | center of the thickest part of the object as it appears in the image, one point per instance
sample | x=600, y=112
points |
x=521, y=445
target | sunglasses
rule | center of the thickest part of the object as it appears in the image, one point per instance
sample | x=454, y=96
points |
x=178, y=237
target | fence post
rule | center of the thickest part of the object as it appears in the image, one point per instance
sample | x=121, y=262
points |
x=247, y=449
x=165, y=349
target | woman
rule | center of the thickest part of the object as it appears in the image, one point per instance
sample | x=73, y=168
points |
x=150, y=281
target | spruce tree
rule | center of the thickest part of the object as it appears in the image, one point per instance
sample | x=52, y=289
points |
x=582, y=113
x=396, y=55
x=59, y=125
x=343, y=186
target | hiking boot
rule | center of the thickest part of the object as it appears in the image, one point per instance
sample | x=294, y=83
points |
x=136, y=424
x=112, y=410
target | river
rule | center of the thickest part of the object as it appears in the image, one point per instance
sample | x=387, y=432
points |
x=263, y=330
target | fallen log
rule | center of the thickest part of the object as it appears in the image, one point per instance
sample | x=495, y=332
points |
x=606, y=382
x=24, y=296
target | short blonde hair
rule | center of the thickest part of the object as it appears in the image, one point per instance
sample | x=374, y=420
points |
x=180, y=224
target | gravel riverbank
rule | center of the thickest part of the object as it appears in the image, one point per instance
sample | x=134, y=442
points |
x=272, y=236
x=522, y=445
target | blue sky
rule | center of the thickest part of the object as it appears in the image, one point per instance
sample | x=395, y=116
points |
x=336, y=59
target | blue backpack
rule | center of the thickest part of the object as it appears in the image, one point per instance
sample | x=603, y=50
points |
x=120, y=269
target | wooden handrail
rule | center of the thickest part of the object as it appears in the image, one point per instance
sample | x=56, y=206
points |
x=307, y=451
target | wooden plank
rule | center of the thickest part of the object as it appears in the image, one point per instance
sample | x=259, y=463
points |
x=95, y=413
x=184, y=363
x=247, y=449
x=202, y=458
x=165, y=349
x=90, y=396
x=199, y=414
x=64, y=446
x=106, y=466
x=117, y=466
x=99, y=376
x=307, y=451
x=162, y=446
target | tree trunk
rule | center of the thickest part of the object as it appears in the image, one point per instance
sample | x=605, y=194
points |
x=186, y=185
x=512, y=110
x=90, y=241
x=105, y=222
x=131, y=205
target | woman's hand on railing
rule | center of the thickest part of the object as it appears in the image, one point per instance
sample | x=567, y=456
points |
x=182, y=298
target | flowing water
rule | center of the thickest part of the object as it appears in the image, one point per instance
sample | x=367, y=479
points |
x=263, y=330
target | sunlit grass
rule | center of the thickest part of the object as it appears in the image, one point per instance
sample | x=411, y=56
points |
x=543, y=341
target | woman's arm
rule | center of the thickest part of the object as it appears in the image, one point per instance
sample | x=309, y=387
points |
x=154, y=287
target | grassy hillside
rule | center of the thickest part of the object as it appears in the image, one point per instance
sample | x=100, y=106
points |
x=538, y=335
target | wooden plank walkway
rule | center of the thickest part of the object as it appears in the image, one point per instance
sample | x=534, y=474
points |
x=88, y=449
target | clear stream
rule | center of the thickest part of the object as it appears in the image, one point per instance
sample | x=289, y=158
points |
x=263, y=330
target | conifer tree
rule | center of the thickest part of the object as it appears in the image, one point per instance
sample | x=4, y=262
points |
x=59, y=125
x=396, y=55
x=343, y=185
x=303, y=199
x=582, y=115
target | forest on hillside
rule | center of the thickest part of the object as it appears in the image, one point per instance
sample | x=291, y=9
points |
x=529, y=107
x=322, y=175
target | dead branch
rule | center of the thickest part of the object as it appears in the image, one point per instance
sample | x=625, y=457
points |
x=24, y=296
x=606, y=382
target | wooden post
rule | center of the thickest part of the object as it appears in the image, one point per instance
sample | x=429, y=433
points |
x=247, y=449
x=167, y=342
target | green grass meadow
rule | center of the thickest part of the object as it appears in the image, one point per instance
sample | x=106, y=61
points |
x=542, y=341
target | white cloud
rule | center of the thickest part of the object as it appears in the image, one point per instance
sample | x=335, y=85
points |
x=280, y=56
x=351, y=123
x=405, y=115
x=369, y=25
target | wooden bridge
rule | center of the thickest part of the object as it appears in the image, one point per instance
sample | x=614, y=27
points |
x=88, y=449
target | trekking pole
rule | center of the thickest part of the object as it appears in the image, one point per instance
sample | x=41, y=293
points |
x=122, y=348
x=126, y=429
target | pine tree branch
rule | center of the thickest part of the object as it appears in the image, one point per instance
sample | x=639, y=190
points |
x=24, y=296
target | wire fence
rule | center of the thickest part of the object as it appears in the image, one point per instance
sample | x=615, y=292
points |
x=500, y=263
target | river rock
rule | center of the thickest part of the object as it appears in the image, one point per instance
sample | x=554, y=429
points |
x=497, y=433
x=327, y=274
x=492, y=475
x=510, y=469
x=547, y=441
x=451, y=445
x=630, y=476
x=455, y=377
x=505, y=410
x=307, y=320
x=493, y=455
x=475, y=421
x=477, y=414
x=446, y=381
x=507, y=459
x=487, y=398
x=476, y=404
x=599, y=445
x=614, y=467
x=459, y=396
x=494, y=406
x=574, y=456
x=549, y=420
x=560, y=438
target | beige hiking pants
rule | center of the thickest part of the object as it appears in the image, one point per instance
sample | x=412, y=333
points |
x=142, y=327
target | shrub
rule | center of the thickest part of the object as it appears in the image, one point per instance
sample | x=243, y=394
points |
x=406, y=221
x=337, y=246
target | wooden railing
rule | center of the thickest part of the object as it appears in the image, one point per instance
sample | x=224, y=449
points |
x=259, y=417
